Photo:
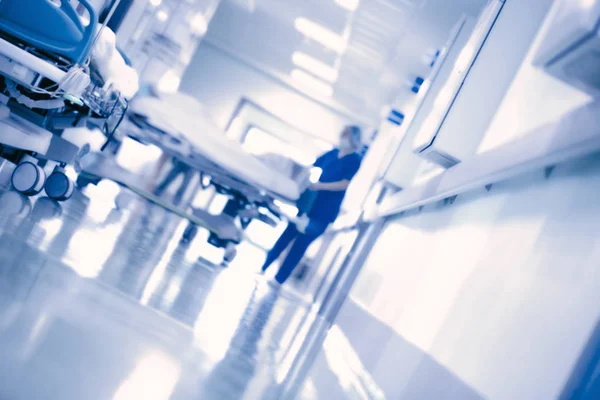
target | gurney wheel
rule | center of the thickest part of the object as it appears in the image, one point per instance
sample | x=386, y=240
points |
x=28, y=178
x=230, y=253
x=58, y=186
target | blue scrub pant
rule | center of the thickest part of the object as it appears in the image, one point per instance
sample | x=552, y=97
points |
x=301, y=243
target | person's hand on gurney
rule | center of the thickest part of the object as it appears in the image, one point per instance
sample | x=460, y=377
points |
x=301, y=223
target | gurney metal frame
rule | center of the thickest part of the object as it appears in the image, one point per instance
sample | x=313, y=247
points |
x=41, y=43
x=246, y=201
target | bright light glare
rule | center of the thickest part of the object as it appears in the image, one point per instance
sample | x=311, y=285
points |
x=223, y=310
x=299, y=156
x=315, y=174
x=350, y=5
x=90, y=248
x=587, y=4
x=103, y=196
x=267, y=147
x=428, y=171
x=199, y=24
x=136, y=157
x=263, y=235
x=155, y=3
x=313, y=249
x=309, y=390
x=249, y=255
x=312, y=82
x=319, y=33
x=346, y=364
x=338, y=364
x=217, y=204
x=51, y=227
x=315, y=67
x=169, y=83
x=287, y=210
x=292, y=341
x=153, y=378
x=465, y=58
x=162, y=16
x=445, y=96
x=160, y=270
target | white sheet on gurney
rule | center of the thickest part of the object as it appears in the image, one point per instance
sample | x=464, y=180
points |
x=183, y=114
x=112, y=66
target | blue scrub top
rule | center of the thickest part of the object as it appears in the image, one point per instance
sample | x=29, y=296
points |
x=327, y=204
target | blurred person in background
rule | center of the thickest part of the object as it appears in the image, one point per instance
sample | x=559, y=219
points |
x=325, y=198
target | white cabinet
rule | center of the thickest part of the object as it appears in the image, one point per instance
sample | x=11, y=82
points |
x=571, y=49
x=400, y=165
x=473, y=88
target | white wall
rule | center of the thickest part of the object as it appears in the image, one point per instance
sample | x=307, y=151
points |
x=499, y=290
x=533, y=99
x=220, y=81
x=494, y=296
x=489, y=78
x=504, y=96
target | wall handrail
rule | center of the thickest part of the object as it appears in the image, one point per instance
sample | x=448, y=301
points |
x=576, y=135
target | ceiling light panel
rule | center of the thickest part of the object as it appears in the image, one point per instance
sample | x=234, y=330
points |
x=320, y=34
x=310, y=82
x=315, y=67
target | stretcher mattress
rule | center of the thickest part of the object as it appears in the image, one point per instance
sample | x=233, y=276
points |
x=111, y=65
x=182, y=115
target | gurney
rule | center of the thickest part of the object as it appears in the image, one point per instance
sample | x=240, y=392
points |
x=46, y=88
x=180, y=126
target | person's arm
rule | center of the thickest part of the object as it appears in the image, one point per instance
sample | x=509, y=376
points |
x=339, y=186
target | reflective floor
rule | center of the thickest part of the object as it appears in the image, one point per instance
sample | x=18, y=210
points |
x=99, y=301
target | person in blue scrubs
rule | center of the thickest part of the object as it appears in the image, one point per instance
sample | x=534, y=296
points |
x=338, y=167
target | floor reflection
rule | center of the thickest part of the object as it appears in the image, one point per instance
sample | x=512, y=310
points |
x=104, y=302
x=231, y=376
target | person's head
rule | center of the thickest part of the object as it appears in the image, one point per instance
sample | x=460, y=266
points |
x=350, y=139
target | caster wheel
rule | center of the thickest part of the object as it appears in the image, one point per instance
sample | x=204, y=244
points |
x=230, y=253
x=59, y=187
x=28, y=178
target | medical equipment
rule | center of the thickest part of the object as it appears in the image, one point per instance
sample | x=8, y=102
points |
x=48, y=84
x=179, y=125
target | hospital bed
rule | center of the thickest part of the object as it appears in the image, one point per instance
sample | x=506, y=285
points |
x=179, y=125
x=49, y=84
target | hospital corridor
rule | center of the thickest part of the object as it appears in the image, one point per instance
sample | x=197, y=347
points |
x=300, y=199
